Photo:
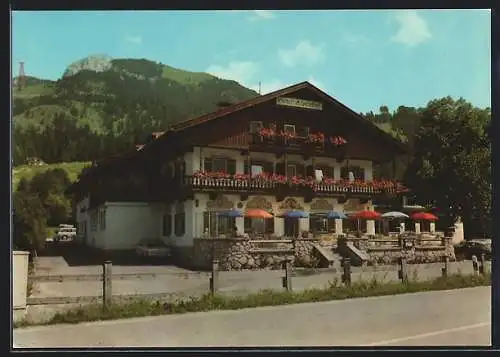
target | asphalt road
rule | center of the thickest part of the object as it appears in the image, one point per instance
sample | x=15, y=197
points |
x=455, y=317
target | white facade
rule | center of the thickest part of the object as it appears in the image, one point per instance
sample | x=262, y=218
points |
x=121, y=225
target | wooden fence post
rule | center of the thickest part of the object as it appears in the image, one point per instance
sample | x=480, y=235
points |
x=107, y=294
x=445, y=268
x=214, y=279
x=482, y=263
x=403, y=270
x=346, y=276
x=287, y=279
x=475, y=266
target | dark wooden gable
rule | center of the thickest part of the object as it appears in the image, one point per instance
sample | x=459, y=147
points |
x=230, y=126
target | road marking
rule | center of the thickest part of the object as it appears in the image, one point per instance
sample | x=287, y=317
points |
x=429, y=334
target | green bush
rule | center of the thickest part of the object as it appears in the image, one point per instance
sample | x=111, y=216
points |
x=208, y=302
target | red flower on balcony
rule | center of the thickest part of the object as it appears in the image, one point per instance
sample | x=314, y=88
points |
x=338, y=140
x=288, y=134
x=241, y=177
x=267, y=132
x=200, y=174
x=317, y=138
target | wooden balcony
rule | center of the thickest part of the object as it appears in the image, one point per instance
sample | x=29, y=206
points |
x=286, y=187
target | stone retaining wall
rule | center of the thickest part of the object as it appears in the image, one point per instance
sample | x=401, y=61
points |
x=415, y=251
x=246, y=254
x=241, y=253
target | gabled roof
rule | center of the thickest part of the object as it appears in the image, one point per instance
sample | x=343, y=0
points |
x=273, y=95
x=181, y=126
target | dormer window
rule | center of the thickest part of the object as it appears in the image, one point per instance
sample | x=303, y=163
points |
x=290, y=129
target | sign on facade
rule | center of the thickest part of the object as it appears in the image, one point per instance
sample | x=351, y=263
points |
x=299, y=103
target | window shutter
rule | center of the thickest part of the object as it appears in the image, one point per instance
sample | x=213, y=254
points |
x=269, y=225
x=344, y=173
x=330, y=172
x=280, y=168
x=248, y=224
x=208, y=165
x=300, y=169
x=310, y=171
x=246, y=170
x=231, y=166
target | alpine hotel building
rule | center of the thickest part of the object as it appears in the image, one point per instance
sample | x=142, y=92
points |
x=293, y=149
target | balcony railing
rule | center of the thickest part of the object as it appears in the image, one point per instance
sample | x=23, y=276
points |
x=278, y=183
x=314, y=143
x=230, y=184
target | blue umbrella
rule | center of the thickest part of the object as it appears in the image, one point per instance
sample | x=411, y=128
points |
x=336, y=215
x=296, y=214
x=230, y=213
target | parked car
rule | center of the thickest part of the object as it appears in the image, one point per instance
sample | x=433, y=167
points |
x=152, y=248
x=65, y=232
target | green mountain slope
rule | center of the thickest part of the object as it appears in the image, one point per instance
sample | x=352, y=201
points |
x=102, y=106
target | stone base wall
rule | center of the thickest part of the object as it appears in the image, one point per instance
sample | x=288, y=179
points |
x=418, y=255
x=238, y=254
x=241, y=253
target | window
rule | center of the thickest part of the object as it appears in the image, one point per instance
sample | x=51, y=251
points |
x=216, y=225
x=166, y=227
x=327, y=171
x=257, y=170
x=358, y=172
x=305, y=132
x=180, y=224
x=288, y=128
x=219, y=165
x=291, y=170
x=255, y=126
x=267, y=167
x=351, y=225
x=321, y=224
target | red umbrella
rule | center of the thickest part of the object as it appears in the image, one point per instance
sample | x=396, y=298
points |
x=424, y=216
x=366, y=215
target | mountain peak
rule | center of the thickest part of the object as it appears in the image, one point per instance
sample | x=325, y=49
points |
x=95, y=63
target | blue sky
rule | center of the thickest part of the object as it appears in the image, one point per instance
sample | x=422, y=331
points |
x=365, y=59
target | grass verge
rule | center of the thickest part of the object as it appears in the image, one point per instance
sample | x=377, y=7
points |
x=208, y=302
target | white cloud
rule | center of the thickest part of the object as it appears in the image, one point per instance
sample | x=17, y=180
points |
x=247, y=74
x=262, y=15
x=241, y=72
x=305, y=53
x=134, y=39
x=413, y=29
